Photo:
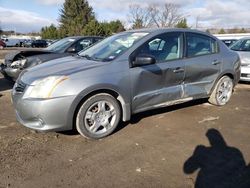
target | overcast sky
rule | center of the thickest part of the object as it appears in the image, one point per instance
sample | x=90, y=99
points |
x=31, y=15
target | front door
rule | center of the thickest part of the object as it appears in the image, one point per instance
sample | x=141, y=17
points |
x=156, y=84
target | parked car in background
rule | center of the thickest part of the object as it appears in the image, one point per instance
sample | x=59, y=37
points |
x=243, y=48
x=49, y=41
x=12, y=42
x=39, y=44
x=127, y=73
x=229, y=42
x=27, y=43
x=17, y=61
x=2, y=44
x=21, y=42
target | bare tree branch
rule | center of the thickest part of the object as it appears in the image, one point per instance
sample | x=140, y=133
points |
x=155, y=15
x=138, y=16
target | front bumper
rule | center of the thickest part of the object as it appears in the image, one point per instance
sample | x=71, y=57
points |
x=9, y=73
x=245, y=73
x=43, y=114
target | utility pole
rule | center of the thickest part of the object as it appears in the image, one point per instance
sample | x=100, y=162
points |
x=197, y=22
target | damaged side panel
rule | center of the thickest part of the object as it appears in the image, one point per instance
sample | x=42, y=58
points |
x=155, y=84
x=201, y=74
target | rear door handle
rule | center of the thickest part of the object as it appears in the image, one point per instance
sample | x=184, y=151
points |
x=216, y=62
x=178, y=70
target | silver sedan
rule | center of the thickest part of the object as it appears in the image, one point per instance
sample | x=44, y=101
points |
x=127, y=73
x=243, y=48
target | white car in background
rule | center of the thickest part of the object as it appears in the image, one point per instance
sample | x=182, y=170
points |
x=12, y=42
x=242, y=46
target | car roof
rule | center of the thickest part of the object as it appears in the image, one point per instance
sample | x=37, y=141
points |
x=163, y=30
x=79, y=37
x=245, y=38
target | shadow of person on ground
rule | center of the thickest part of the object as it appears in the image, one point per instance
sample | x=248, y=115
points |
x=219, y=165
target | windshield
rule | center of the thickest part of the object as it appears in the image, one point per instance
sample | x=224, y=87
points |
x=61, y=45
x=241, y=45
x=112, y=47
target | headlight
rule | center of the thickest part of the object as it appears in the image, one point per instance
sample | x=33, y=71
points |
x=18, y=63
x=44, y=88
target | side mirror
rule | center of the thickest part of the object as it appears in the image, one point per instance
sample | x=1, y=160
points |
x=71, y=50
x=143, y=60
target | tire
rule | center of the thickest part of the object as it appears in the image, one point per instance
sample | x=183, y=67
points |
x=222, y=92
x=98, y=116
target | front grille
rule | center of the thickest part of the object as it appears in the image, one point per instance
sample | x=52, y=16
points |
x=20, y=87
x=245, y=75
x=245, y=65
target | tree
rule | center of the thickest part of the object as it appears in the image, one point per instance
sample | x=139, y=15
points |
x=182, y=23
x=116, y=26
x=104, y=28
x=74, y=16
x=222, y=31
x=167, y=15
x=155, y=15
x=1, y=30
x=94, y=28
x=208, y=31
x=137, y=24
x=242, y=30
x=50, y=32
x=138, y=16
x=112, y=27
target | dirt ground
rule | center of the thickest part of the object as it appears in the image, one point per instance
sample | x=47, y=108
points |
x=188, y=145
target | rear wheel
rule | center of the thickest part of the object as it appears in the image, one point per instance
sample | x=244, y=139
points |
x=98, y=116
x=222, y=91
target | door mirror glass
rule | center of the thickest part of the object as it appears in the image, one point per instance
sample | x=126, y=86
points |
x=71, y=50
x=144, y=60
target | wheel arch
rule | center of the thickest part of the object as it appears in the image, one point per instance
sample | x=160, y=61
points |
x=81, y=98
x=229, y=74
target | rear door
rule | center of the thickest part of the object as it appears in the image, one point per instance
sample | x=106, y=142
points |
x=153, y=85
x=202, y=64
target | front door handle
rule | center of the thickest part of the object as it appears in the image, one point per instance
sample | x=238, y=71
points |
x=178, y=70
x=216, y=62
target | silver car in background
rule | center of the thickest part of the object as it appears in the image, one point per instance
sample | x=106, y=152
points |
x=243, y=48
x=127, y=73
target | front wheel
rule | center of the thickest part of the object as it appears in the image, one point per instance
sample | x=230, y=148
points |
x=222, y=91
x=98, y=116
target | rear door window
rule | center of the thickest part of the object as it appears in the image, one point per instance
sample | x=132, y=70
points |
x=198, y=45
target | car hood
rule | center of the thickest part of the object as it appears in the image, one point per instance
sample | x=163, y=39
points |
x=62, y=66
x=245, y=57
x=9, y=58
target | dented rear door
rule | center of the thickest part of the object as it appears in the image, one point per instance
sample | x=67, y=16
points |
x=202, y=65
